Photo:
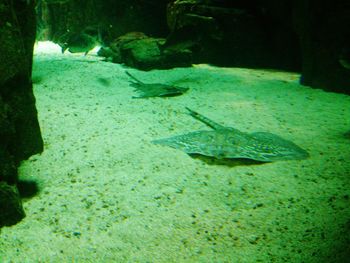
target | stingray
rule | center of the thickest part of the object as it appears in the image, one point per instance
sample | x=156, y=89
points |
x=147, y=90
x=230, y=143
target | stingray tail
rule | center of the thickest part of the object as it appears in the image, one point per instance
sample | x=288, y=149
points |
x=207, y=121
x=131, y=76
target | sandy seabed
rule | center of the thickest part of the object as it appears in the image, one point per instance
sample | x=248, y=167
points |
x=107, y=194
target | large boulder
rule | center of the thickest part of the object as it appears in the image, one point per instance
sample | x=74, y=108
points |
x=20, y=135
x=135, y=49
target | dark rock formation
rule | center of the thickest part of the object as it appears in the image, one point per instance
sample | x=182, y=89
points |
x=324, y=32
x=10, y=205
x=304, y=35
x=235, y=33
x=137, y=50
x=20, y=135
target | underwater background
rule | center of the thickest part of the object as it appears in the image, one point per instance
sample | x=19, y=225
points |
x=108, y=194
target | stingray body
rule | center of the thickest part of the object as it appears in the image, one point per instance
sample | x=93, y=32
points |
x=147, y=90
x=231, y=143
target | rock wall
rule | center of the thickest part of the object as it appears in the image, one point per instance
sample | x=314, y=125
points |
x=323, y=29
x=20, y=135
x=250, y=34
x=308, y=36
x=111, y=18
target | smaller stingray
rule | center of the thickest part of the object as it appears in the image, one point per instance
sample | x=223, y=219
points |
x=147, y=90
x=230, y=143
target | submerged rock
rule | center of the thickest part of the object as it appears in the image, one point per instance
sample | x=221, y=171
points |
x=137, y=50
x=11, y=210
